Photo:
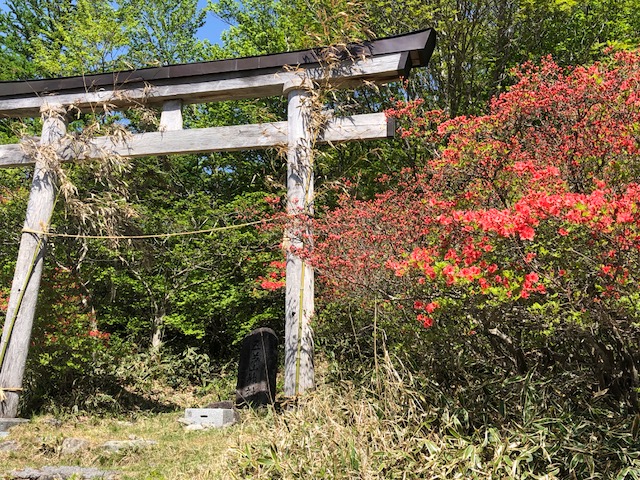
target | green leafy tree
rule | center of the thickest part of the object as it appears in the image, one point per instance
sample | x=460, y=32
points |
x=22, y=23
x=257, y=27
x=165, y=32
x=197, y=290
x=480, y=41
x=202, y=290
x=50, y=38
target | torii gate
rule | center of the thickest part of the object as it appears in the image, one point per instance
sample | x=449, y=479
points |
x=293, y=74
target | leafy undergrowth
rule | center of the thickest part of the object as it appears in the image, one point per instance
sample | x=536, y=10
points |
x=390, y=425
x=404, y=427
x=126, y=383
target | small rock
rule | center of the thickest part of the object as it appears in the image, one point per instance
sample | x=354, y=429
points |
x=9, y=446
x=73, y=445
x=115, y=446
x=54, y=422
x=62, y=473
x=194, y=427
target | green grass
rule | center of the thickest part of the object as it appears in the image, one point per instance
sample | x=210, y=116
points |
x=178, y=454
x=390, y=425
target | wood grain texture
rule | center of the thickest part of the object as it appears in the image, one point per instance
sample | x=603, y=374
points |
x=171, y=116
x=371, y=126
x=299, y=370
x=28, y=271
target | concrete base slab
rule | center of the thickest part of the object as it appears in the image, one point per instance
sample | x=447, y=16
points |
x=213, y=417
x=7, y=423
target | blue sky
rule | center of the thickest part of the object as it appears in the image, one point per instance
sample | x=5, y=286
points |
x=213, y=26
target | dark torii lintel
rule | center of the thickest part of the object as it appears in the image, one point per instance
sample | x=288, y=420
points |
x=23, y=98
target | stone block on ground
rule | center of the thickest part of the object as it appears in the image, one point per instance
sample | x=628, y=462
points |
x=210, y=417
x=7, y=423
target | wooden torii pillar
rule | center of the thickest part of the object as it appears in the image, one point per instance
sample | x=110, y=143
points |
x=171, y=87
x=299, y=370
x=26, y=280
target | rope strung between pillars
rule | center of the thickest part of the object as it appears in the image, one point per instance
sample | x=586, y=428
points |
x=42, y=235
x=142, y=237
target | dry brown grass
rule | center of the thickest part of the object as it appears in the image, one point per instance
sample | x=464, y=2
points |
x=391, y=425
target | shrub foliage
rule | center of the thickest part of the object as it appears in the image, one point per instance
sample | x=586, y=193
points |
x=517, y=240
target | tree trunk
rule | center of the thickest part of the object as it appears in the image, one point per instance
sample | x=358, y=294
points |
x=158, y=329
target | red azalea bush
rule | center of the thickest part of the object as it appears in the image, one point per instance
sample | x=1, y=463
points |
x=521, y=235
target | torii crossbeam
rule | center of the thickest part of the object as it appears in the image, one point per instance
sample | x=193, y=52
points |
x=293, y=74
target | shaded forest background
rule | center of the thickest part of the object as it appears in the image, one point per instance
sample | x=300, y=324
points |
x=113, y=314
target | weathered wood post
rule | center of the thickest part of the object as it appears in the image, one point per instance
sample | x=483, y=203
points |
x=171, y=116
x=16, y=334
x=299, y=296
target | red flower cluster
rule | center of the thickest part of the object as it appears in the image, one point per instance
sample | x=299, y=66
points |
x=276, y=277
x=538, y=197
x=99, y=335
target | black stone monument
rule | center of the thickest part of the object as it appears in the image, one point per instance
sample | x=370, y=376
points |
x=257, y=369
